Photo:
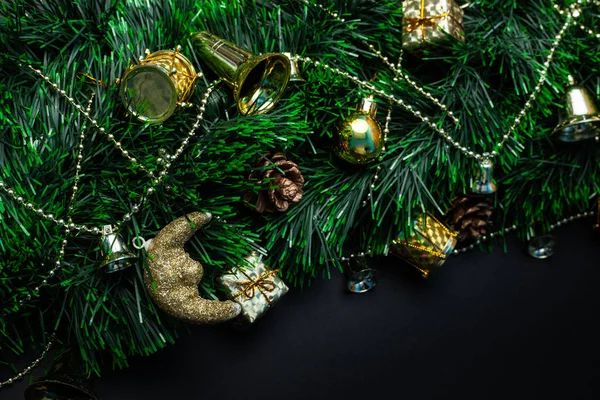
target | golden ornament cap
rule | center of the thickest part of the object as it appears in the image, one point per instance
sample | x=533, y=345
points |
x=359, y=138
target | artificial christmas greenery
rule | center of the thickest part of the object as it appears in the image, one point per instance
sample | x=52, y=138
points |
x=485, y=81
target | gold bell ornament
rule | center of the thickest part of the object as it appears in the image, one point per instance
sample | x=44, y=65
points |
x=359, y=138
x=295, y=76
x=115, y=254
x=162, y=80
x=427, y=246
x=258, y=81
x=580, y=119
x=484, y=182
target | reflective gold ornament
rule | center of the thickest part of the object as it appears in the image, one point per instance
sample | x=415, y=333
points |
x=359, y=137
x=152, y=89
x=116, y=256
x=428, y=245
x=580, y=119
x=295, y=76
x=258, y=81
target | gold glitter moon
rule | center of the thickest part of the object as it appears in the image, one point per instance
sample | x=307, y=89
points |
x=172, y=276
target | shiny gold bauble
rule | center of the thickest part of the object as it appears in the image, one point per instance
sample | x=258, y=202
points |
x=359, y=137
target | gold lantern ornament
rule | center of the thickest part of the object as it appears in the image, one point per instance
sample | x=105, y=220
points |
x=258, y=81
x=580, y=119
x=358, y=138
x=427, y=246
x=152, y=89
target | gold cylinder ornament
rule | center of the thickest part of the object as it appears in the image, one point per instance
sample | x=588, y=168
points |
x=580, y=119
x=258, y=81
x=152, y=89
x=359, y=137
x=428, y=245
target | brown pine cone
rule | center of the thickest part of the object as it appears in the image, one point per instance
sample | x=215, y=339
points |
x=281, y=183
x=471, y=215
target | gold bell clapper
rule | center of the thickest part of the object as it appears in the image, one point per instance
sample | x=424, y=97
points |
x=295, y=76
x=162, y=80
x=115, y=256
x=427, y=246
x=580, y=119
x=258, y=81
x=484, y=182
x=359, y=138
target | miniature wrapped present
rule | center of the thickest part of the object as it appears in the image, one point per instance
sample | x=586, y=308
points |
x=256, y=288
x=430, y=21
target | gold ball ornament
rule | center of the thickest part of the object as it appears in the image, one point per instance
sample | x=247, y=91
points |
x=172, y=276
x=359, y=137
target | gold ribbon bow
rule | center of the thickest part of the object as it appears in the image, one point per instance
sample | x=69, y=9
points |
x=422, y=21
x=263, y=283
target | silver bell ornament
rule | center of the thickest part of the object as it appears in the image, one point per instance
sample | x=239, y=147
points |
x=580, y=119
x=361, y=278
x=115, y=254
x=484, y=182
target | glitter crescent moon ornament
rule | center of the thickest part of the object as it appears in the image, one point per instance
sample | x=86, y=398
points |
x=172, y=276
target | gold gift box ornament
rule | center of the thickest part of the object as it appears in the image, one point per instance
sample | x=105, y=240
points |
x=428, y=245
x=431, y=21
x=256, y=288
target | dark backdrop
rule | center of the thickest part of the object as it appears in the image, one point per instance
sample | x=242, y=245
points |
x=486, y=326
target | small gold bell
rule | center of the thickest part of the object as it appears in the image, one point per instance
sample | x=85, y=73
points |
x=295, y=76
x=580, y=119
x=115, y=254
x=484, y=182
x=359, y=137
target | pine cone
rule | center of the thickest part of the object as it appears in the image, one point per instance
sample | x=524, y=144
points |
x=279, y=189
x=471, y=216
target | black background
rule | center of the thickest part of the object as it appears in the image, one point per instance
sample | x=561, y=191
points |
x=485, y=326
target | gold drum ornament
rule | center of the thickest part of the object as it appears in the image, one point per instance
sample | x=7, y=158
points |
x=152, y=89
x=428, y=245
x=258, y=81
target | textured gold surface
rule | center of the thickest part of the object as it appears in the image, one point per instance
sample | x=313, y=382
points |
x=172, y=276
x=428, y=246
